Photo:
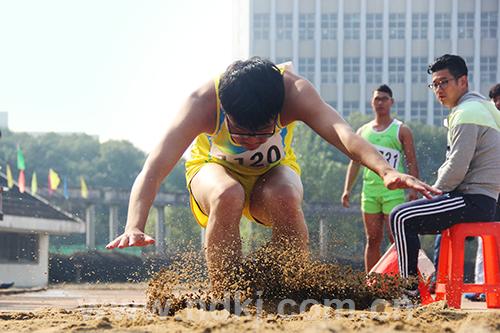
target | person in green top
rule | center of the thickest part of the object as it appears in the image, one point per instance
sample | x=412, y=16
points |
x=393, y=140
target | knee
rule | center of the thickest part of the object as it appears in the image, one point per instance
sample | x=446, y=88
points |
x=373, y=240
x=227, y=197
x=282, y=195
x=393, y=217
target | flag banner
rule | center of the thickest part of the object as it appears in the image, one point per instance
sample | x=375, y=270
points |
x=85, y=190
x=21, y=165
x=21, y=181
x=34, y=184
x=54, y=180
x=65, y=188
x=10, y=179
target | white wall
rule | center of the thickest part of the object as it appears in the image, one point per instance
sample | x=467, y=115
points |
x=12, y=223
x=29, y=275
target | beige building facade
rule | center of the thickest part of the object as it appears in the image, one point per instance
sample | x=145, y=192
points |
x=348, y=47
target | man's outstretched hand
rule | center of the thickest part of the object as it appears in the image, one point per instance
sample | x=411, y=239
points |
x=394, y=180
x=133, y=237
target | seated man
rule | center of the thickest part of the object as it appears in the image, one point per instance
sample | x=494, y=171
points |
x=242, y=162
x=470, y=175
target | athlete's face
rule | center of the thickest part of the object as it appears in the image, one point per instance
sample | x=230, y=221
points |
x=250, y=140
x=382, y=103
x=447, y=88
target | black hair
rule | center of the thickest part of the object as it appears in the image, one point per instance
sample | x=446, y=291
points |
x=453, y=63
x=384, y=88
x=252, y=92
x=495, y=91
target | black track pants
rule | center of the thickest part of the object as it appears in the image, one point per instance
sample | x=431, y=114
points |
x=426, y=216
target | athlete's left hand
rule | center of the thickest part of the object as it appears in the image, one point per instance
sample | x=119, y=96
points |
x=394, y=180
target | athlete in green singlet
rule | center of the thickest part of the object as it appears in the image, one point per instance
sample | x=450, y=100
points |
x=394, y=141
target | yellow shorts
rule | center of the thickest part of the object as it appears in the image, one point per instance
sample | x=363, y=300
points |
x=246, y=181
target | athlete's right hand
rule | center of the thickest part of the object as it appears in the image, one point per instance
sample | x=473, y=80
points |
x=132, y=237
x=345, y=199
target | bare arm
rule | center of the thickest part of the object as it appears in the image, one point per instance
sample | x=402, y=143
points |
x=306, y=105
x=350, y=180
x=406, y=138
x=195, y=117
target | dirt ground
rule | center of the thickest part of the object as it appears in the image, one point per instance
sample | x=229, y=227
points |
x=121, y=308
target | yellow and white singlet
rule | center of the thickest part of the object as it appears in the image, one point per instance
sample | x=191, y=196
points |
x=244, y=165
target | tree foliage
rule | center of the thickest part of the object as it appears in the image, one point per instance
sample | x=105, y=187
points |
x=115, y=164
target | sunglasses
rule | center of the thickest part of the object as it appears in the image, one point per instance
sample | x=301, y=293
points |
x=240, y=135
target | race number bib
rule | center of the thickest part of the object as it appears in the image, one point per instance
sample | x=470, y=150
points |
x=268, y=153
x=392, y=156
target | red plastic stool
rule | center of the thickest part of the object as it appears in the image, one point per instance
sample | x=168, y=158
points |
x=450, y=276
x=388, y=264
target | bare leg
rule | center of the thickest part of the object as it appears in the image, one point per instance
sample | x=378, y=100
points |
x=388, y=228
x=222, y=198
x=374, y=229
x=276, y=201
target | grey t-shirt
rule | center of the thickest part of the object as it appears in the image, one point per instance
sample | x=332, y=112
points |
x=472, y=164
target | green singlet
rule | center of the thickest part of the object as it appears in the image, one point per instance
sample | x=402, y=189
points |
x=375, y=197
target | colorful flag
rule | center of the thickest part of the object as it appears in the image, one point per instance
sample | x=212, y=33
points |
x=10, y=179
x=34, y=184
x=20, y=159
x=85, y=191
x=65, y=188
x=54, y=180
x=21, y=181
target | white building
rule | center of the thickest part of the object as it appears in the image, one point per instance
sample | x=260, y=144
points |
x=4, y=119
x=24, y=236
x=347, y=48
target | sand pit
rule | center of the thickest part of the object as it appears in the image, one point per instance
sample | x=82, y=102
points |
x=81, y=313
x=127, y=307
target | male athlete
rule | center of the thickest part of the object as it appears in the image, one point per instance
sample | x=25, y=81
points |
x=393, y=140
x=242, y=162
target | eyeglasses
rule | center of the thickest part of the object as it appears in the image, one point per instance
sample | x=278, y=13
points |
x=441, y=84
x=382, y=99
x=239, y=135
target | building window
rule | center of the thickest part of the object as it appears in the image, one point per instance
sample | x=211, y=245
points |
x=329, y=26
x=469, y=61
x=329, y=70
x=397, y=25
x=19, y=248
x=442, y=26
x=465, y=25
x=349, y=108
x=440, y=113
x=284, y=26
x=488, y=69
x=280, y=60
x=306, y=68
x=351, y=70
x=261, y=26
x=351, y=26
x=419, y=22
x=368, y=106
x=419, y=67
x=396, y=69
x=374, y=26
x=373, y=70
x=398, y=108
x=306, y=26
x=418, y=111
x=489, y=25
